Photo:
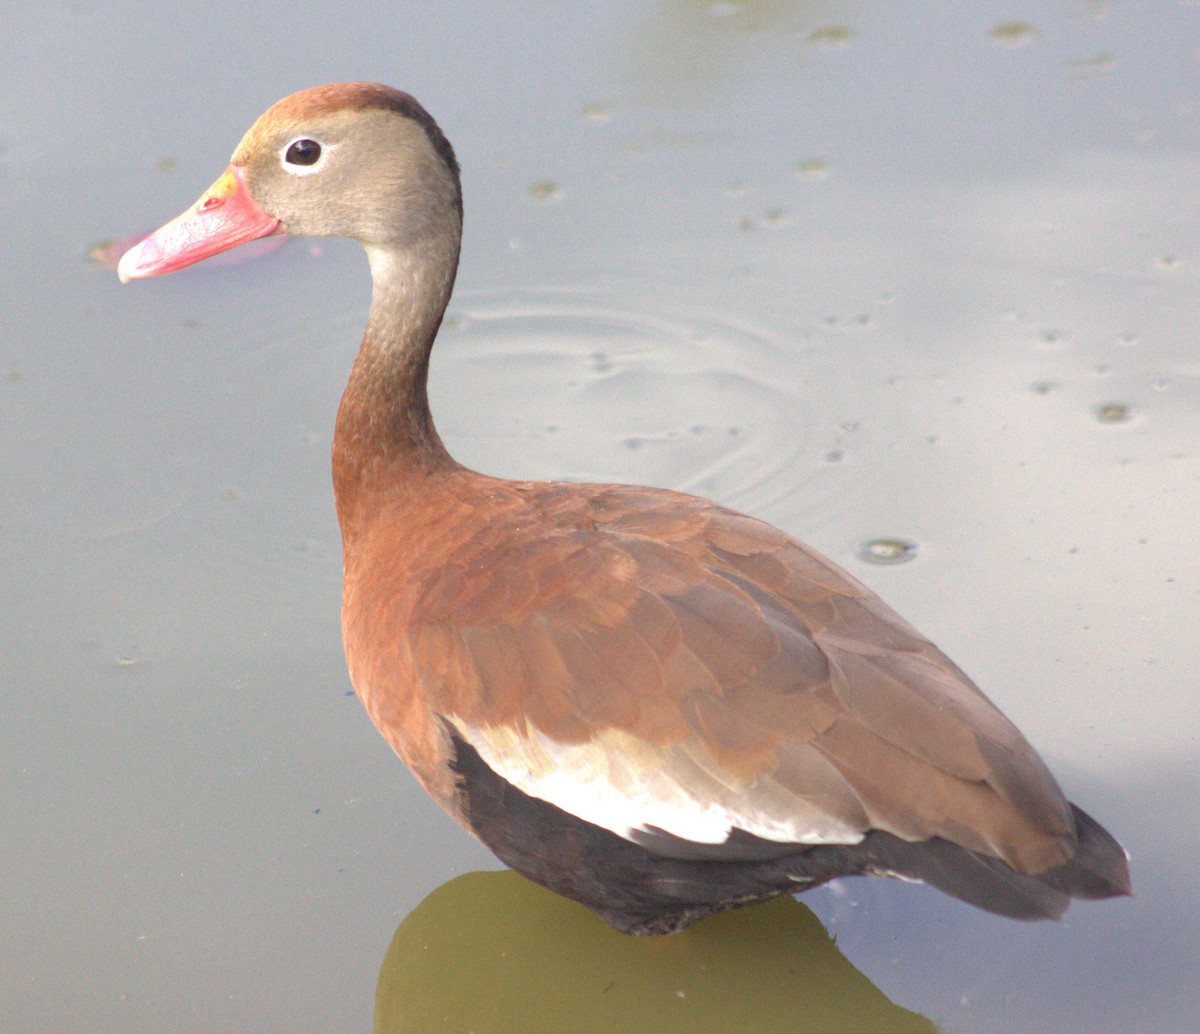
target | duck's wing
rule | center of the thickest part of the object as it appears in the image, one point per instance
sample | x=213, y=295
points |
x=697, y=681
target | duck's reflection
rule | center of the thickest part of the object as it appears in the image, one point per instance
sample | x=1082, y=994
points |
x=491, y=952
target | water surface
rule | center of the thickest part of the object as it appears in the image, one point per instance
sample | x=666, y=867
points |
x=924, y=276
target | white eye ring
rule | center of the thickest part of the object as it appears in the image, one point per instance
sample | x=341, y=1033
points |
x=303, y=155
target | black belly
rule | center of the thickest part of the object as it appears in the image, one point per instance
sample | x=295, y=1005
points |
x=653, y=887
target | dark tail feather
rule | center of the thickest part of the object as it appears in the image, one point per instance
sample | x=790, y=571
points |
x=1098, y=870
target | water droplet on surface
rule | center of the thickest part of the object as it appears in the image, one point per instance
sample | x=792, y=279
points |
x=1113, y=413
x=832, y=35
x=545, y=190
x=597, y=111
x=1043, y=387
x=1091, y=67
x=814, y=169
x=887, y=551
x=1013, y=34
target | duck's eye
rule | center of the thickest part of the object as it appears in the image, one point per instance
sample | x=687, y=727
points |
x=303, y=152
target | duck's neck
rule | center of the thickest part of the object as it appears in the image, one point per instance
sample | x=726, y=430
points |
x=384, y=439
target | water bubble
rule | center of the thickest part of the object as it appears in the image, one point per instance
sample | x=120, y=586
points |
x=887, y=551
x=1091, y=67
x=859, y=321
x=1113, y=413
x=597, y=111
x=545, y=190
x=832, y=35
x=814, y=169
x=1013, y=34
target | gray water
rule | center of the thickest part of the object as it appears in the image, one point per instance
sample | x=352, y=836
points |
x=924, y=274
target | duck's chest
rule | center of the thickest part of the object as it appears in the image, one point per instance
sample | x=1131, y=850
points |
x=400, y=640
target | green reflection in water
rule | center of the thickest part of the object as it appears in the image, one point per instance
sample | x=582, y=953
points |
x=491, y=952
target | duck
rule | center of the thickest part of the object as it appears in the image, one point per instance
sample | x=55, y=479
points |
x=643, y=700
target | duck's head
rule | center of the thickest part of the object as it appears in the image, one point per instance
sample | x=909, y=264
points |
x=356, y=160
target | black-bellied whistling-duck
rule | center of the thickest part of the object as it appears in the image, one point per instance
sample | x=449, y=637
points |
x=639, y=698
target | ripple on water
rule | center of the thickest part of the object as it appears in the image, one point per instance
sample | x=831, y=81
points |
x=561, y=384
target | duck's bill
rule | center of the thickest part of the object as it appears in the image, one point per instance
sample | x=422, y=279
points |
x=224, y=217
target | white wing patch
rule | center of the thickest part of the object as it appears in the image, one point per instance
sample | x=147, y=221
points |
x=627, y=785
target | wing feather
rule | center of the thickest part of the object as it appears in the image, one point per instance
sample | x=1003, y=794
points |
x=664, y=667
